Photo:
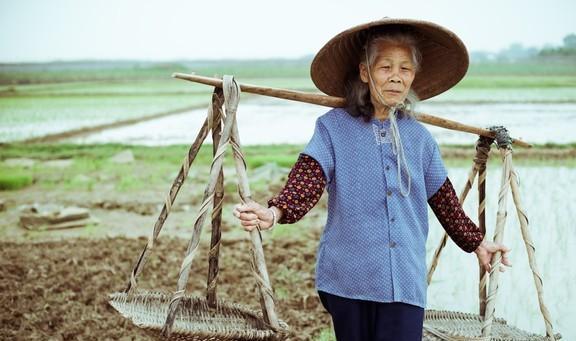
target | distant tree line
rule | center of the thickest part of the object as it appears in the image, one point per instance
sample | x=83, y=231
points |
x=517, y=52
x=568, y=49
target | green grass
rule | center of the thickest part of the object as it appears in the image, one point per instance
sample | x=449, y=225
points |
x=89, y=157
x=507, y=95
x=169, y=86
x=107, y=88
x=273, y=68
x=153, y=166
x=46, y=73
x=517, y=81
x=541, y=66
x=156, y=167
x=326, y=334
x=495, y=162
x=154, y=87
x=90, y=230
x=13, y=178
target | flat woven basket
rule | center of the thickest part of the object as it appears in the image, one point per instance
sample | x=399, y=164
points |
x=442, y=325
x=195, y=320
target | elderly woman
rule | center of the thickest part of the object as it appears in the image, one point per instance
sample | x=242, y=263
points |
x=381, y=168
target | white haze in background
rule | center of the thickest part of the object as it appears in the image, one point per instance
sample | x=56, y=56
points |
x=38, y=30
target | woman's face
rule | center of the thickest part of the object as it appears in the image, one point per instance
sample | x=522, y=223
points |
x=393, y=72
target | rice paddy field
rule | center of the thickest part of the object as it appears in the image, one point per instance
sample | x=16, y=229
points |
x=54, y=284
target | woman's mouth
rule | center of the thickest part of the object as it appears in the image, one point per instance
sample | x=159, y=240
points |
x=393, y=92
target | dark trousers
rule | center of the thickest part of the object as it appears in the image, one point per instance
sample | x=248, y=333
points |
x=358, y=320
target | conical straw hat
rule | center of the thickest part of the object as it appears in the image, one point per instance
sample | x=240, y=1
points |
x=444, y=56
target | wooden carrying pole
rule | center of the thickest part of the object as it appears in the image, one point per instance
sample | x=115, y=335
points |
x=338, y=102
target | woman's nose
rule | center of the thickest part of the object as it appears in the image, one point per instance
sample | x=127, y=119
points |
x=395, y=76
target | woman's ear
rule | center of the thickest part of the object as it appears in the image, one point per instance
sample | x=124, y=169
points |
x=363, y=72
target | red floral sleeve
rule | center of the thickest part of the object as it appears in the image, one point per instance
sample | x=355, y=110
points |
x=460, y=228
x=302, y=191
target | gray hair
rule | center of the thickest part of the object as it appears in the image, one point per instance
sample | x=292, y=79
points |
x=358, y=103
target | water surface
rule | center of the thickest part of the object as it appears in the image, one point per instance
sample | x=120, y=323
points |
x=271, y=121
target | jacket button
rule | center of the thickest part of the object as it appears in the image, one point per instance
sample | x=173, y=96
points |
x=383, y=134
x=387, y=167
x=389, y=193
x=392, y=219
x=392, y=244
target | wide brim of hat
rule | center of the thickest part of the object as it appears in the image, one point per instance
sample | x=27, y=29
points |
x=444, y=57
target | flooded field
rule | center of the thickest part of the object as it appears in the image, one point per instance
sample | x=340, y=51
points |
x=270, y=121
x=547, y=197
x=536, y=113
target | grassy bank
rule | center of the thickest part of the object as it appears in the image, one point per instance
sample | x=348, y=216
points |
x=90, y=165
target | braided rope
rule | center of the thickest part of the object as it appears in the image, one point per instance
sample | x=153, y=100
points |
x=168, y=201
x=487, y=302
x=262, y=284
x=214, y=250
x=483, y=145
x=216, y=217
x=531, y=250
x=506, y=152
x=258, y=262
x=230, y=131
x=504, y=142
x=215, y=242
x=231, y=102
x=212, y=253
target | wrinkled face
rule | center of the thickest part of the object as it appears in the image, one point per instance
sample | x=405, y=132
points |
x=392, y=72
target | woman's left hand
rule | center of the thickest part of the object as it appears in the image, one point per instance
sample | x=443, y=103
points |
x=487, y=249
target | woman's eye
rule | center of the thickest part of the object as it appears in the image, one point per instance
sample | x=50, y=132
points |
x=406, y=68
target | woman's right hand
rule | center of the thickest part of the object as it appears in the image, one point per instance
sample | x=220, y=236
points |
x=252, y=215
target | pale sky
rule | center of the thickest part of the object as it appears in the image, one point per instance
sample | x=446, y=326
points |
x=48, y=30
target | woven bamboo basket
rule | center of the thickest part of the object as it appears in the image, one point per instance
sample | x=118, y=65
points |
x=440, y=325
x=195, y=320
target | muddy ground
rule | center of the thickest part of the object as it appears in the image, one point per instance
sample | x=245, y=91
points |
x=54, y=285
x=57, y=290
